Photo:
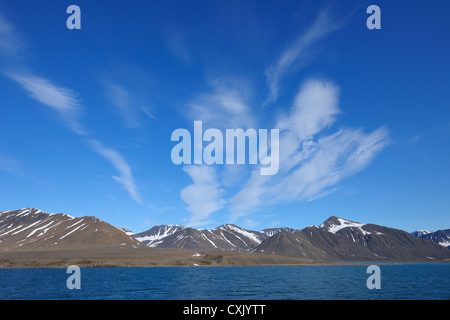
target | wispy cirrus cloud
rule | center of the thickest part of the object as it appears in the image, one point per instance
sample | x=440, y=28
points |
x=299, y=53
x=129, y=110
x=203, y=196
x=226, y=106
x=177, y=44
x=17, y=167
x=10, y=164
x=10, y=43
x=66, y=104
x=313, y=158
x=312, y=162
x=120, y=164
x=62, y=100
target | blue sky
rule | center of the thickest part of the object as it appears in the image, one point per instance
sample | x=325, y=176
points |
x=364, y=115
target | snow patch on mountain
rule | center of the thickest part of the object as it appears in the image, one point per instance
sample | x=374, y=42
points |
x=249, y=235
x=155, y=235
x=340, y=224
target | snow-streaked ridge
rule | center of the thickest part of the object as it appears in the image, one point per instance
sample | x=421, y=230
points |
x=420, y=233
x=160, y=233
x=342, y=223
x=249, y=235
x=28, y=211
x=30, y=227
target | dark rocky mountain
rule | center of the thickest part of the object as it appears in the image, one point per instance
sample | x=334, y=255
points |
x=272, y=231
x=155, y=235
x=441, y=237
x=33, y=229
x=334, y=239
x=420, y=233
x=227, y=237
x=340, y=239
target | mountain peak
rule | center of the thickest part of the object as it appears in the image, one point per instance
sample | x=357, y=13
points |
x=228, y=226
x=332, y=220
x=25, y=211
x=442, y=237
x=333, y=224
x=32, y=211
x=420, y=233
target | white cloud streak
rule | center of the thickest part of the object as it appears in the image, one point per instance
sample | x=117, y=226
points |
x=298, y=54
x=65, y=103
x=312, y=159
x=10, y=164
x=177, y=45
x=62, y=100
x=9, y=39
x=312, y=163
x=121, y=165
x=203, y=196
x=125, y=105
x=225, y=107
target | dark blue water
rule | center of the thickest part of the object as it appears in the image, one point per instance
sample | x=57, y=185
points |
x=398, y=281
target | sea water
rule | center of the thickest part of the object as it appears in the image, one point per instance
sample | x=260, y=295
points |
x=423, y=281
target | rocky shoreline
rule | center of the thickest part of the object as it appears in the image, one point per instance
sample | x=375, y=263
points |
x=142, y=257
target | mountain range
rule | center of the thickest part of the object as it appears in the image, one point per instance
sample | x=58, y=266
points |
x=441, y=236
x=336, y=239
x=340, y=239
x=227, y=237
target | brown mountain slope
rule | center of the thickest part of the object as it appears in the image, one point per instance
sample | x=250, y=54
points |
x=345, y=240
x=33, y=229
